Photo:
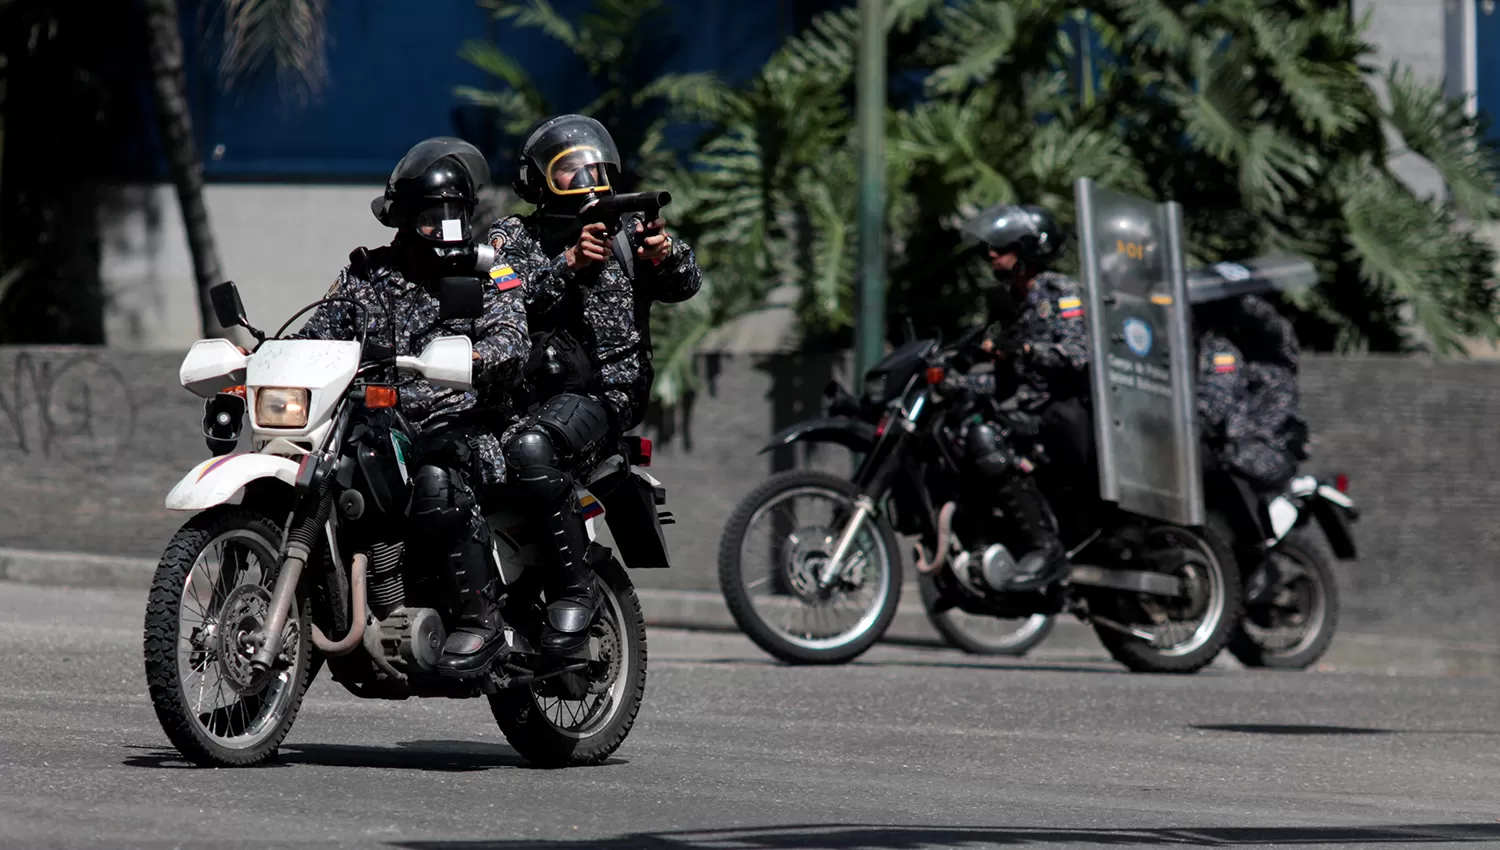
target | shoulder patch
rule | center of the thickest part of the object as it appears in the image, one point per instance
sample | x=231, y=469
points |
x=1071, y=307
x=505, y=278
x=1224, y=362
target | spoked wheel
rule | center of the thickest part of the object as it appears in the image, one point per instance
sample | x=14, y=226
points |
x=1294, y=625
x=1181, y=634
x=212, y=588
x=978, y=634
x=774, y=548
x=582, y=717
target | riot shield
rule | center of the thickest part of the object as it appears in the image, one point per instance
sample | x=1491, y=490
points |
x=1142, y=355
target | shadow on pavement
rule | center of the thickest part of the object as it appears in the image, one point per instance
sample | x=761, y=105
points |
x=1312, y=729
x=859, y=837
x=445, y=756
x=1081, y=666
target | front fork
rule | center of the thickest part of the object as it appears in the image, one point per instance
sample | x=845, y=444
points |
x=307, y=524
x=873, y=479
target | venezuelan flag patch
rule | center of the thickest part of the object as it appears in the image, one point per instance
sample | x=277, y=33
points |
x=1224, y=362
x=591, y=506
x=505, y=278
x=1071, y=308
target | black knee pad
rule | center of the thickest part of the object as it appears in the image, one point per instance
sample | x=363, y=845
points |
x=546, y=485
x=434, y=503
x=531, y=447
x=575, y=422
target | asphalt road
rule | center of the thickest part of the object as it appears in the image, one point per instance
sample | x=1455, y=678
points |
x=908, y=748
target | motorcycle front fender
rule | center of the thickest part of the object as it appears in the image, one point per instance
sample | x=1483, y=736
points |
x=216, y=481
x=1333, y=511
x=854, y=434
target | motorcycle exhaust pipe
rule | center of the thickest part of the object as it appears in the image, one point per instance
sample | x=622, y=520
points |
x=944, y=535
x=357, y=618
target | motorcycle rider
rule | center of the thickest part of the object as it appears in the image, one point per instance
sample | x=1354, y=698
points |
x=588, y=299
x=429, y=200
x=1041, y=339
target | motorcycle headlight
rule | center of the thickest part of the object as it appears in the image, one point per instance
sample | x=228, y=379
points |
x=281, y=407
x=875, y=387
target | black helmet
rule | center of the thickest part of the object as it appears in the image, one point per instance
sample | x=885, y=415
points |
x=566, y=156
x=434, y=189
x=1033, y=232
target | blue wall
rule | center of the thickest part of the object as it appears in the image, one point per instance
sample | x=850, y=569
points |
x=1487, y=82
x=393, y=65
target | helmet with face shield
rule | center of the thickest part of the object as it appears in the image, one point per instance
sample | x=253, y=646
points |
x=1032, y=231
x=433, y=190
x=564, y=159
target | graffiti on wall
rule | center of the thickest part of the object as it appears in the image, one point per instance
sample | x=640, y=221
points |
x=73, y=409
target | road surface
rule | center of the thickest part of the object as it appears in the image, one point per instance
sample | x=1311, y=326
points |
x=909, y=748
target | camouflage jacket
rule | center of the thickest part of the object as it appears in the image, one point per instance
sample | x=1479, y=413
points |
x=1051, y=322
x=600, y=307
x=411, y=310
x=1223, y=391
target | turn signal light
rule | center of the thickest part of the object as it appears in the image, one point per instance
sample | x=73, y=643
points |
x=378, y=397
x=239, y=391
x=640, y=451
x=1341, y=483
x=934, y=375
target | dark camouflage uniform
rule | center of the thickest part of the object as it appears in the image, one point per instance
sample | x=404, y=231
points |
x=1270, y=346
x=1052, y=323
x=1239, y=440
x=499, y=336
x=600, y=307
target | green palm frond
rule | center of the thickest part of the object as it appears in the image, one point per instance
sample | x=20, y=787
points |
x=1413, y=250
x=695, y=96
x=979, y=36
x=1439, y=130
x=538, y=14
x=291, y=34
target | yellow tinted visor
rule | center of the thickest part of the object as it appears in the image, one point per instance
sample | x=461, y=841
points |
x=578, y=171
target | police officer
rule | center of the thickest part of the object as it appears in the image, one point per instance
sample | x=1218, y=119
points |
x=429, y=200
x=1247, y=397
x=1041, y=341
x=588, y=296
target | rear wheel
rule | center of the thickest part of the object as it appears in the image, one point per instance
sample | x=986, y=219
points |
x=775, y=545
x=1177, y=634
x=212, y=587
x=582, y=718
x=1293, y=627
x=978, y=634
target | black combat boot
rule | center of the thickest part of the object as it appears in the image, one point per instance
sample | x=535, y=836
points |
x=479, y=637
x=1046, y=560
x=572, y=590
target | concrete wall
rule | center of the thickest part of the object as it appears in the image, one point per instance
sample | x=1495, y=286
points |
x=91, y=441
x=282, y=244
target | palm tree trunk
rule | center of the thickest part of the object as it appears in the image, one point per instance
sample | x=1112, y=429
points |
x=175, y=121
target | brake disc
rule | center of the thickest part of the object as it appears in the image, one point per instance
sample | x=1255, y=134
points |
x=242, y=614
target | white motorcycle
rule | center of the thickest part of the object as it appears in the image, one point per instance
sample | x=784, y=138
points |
x=299, y=553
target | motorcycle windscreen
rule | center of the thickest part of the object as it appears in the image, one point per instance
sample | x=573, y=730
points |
x=1142, y=365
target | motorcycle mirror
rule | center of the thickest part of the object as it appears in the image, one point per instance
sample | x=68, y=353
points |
x=911, y=330
x=228, y=308
x=460, y=298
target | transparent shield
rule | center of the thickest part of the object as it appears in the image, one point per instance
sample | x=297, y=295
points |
x=1144, y=413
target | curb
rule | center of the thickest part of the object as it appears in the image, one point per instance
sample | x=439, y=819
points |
x=705, y=611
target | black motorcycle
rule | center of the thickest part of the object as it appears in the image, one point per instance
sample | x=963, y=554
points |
x=809, y=562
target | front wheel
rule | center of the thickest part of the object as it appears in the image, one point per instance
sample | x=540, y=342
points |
x=212, y=587
x=977, y=634
x=1180, y=634
x=774, y=547
x=582, y=718
x=1293, y=626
